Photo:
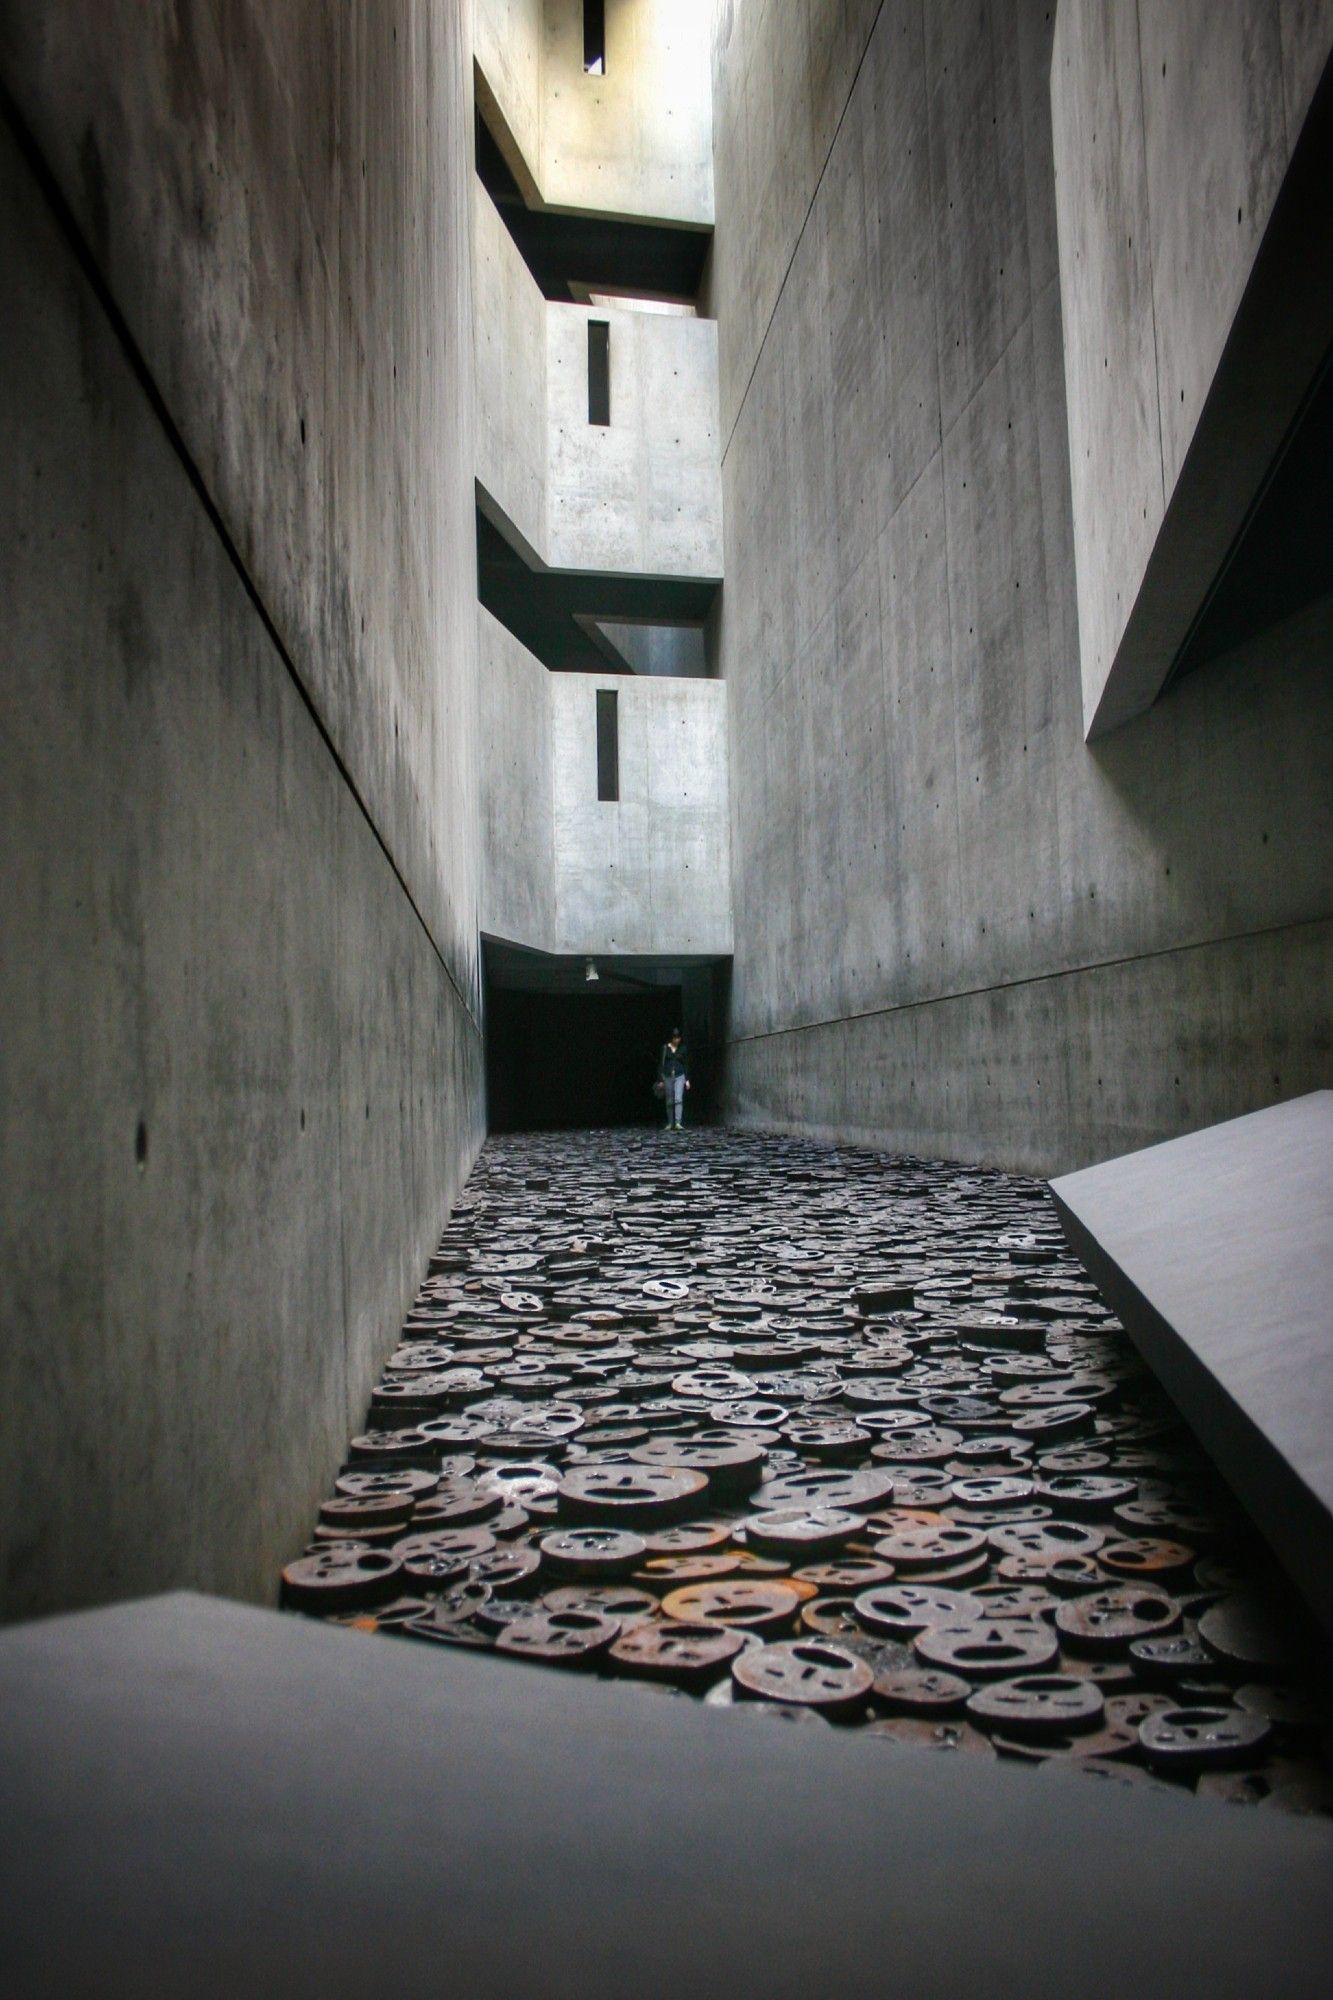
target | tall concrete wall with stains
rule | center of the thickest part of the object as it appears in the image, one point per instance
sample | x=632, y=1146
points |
x=241, y=1073
x=960, y=929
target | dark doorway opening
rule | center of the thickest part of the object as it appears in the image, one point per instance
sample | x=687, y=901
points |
x=560, y=1061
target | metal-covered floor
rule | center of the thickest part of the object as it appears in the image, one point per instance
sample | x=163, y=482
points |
x=847, y=1437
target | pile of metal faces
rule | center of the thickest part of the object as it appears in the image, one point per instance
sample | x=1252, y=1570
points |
x=822, y=1434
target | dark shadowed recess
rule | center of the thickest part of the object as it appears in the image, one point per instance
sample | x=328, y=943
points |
x=560, y=1060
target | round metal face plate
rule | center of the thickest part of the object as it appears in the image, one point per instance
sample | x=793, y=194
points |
x=743, y=1602
x=1107, y=1620
x=1038, y=1705
x=979, y=1650
x=809, y=1673
x=676, y=1650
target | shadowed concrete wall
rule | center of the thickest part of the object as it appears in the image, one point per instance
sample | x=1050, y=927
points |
x=241, y=1074
x=960, y=930
x=510, y=347
x=518, y=851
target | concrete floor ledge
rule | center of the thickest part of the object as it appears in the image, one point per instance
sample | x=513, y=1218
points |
x=203, y=1798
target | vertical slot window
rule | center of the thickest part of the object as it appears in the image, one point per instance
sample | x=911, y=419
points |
x=594, y=37
x=599, y=371
x=608, y=746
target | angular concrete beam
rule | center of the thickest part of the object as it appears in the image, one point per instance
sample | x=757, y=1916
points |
x=1194, y=151
x=1216, y=1250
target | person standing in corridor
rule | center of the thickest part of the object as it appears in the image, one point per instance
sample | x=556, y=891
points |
x=673, y=1068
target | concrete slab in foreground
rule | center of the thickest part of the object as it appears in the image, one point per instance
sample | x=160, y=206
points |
x=1217, y=1252
x=202, y=1799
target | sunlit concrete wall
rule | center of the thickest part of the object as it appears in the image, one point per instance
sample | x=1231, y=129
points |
x=1174, y=125
x=650, y=872
x=566, y=872
x=641, y=495
x=961, y=930
x=241, y=1075
x=635, y=141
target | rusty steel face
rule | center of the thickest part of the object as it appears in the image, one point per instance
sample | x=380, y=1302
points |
x=813, y=1433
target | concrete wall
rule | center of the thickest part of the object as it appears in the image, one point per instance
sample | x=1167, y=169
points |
x=652, y=872
x=659, y=649
x=636, y=141
x=1174, y=123
x=510, y=348
x=241, y=1069
x=960, y=929
x=517, y=807
x=565, y=872
x=641, y=495
x=507, y=42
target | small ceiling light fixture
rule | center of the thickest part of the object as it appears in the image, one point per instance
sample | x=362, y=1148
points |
x=590, y=971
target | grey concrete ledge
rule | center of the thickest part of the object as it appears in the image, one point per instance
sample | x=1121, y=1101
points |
x=1216, y=1250
x=204, y=1799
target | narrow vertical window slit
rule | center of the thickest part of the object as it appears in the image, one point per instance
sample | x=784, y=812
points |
x=594, y=37
x=599, y=371
x=608, y=746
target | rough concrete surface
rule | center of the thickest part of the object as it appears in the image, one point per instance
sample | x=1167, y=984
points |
x=637, y=140
x=634, y=141
x=241, y=1070
x=1174, y=125
x=644, y=492
x=650, y=872
x=565, y=872
x=278, y=199
x=961, y=930
x=517, y=801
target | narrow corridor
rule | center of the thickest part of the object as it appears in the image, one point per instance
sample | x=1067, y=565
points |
x=814, y=1433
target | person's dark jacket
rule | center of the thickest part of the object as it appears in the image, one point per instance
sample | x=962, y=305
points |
x=673, y=1062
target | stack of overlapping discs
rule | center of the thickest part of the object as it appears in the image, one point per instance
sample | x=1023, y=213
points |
x=820, y=1434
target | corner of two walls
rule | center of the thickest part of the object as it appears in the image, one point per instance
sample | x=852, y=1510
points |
x=242, y=1079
